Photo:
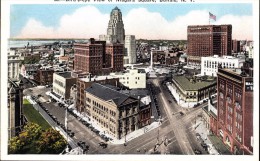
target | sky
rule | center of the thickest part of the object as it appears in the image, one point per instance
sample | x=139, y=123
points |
x=146, y=21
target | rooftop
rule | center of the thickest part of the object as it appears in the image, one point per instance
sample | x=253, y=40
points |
x=97, y=78
x=106, y=93
x=185, y=83
x=65, y=74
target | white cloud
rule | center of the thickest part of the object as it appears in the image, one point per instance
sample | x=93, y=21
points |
x=89, y=22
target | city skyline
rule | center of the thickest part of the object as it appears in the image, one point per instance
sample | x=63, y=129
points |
x=168, y=22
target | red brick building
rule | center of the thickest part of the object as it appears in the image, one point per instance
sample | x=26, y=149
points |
x=115, y=55
x=44, y=76
x=97, y=57
x=208, y=40
x=235, y=46
x=88, y=57
x=235, y=109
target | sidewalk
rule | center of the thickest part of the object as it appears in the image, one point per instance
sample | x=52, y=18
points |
x=129, y=137
x=136, y=133
x=204, y=133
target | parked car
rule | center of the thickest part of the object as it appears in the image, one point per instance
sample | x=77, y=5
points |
x=102, y=144
x=196, y=151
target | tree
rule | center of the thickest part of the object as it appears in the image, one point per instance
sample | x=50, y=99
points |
x=15, y=145
x=50, y=142
x=34, y=140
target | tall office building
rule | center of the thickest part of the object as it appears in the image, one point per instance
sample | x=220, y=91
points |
x=130, y=50
x=115, y=29
x=208, y=40
x=235, y=46
x=97, y=57
x=88, y=57
x=235, y=109
x=115, y=55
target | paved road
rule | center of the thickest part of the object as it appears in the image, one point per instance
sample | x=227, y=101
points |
x=172, y=125
x=178, y=128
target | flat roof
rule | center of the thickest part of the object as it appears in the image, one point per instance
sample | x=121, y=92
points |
x=97, y=78
x=187, y=85
x=65, y=74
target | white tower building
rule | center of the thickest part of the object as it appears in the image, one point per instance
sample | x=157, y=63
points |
x=130, y=50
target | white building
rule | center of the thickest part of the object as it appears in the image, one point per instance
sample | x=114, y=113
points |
x=209, y=65
x=62, y=51
x=132, y=78
x=62, y=83
x=130, y=50
x=13, y=64
x=250, y=51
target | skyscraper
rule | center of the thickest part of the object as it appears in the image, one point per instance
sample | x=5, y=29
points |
x=208, y=40
x=115, y=29
x=130, y=50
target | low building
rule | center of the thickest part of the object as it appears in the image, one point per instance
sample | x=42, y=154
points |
x=62, y=83
x=15, y=107
x=85, y=82
x=28, y=70
x=194, y=89
x=235, y=109
x=209, y=65
x=116, y=113
x=44, y=76
x=132, y=78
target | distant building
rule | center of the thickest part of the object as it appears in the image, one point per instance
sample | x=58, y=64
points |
x=235, y=110
x=192, y=89
x=235, y=46
x=116, y=55
x=44, y=76
x=62, y=83
x=172, y=57
x=28, y=70
x=116, y=113
x=15, y=107
x=130, y=50
x=13, y=64
x=97, y=57
x=132, y=78
x=158, y=56
x=208, y=40
x=209, y=65
x=115, y=27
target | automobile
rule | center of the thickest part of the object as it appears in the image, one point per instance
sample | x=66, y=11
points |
x=169, y=101
x=204, y=145
x=71, y=134
x=196, y=151
x=181, y=113
x=102, y=144
x=39, y=95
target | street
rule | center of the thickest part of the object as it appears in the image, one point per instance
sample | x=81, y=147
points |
x=177, y=128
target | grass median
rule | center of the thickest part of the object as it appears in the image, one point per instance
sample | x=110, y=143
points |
x=33, y=115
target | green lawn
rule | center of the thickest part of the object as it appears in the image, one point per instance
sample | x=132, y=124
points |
x=33, y=115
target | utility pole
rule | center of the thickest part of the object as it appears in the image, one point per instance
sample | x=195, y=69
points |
x=66, y=127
